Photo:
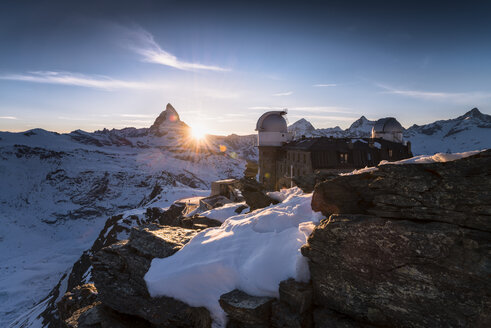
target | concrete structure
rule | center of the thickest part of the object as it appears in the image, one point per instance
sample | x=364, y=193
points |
x=272, y=134
x=281, y=159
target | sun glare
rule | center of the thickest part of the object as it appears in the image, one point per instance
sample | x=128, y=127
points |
x=198, y=132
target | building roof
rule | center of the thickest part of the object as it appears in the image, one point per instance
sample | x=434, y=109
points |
x=326, y=143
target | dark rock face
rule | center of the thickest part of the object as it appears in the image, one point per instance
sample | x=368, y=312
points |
x=199, y=222
x=119, y=270
x=101, y=316
x=284, y=317
x=254, y=194
x=399, y=273
x=79, y=297
x=411, y=247
x=296, y=294
x=456, y=192
x=246, y=310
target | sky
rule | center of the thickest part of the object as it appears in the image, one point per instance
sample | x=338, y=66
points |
x=91, y=65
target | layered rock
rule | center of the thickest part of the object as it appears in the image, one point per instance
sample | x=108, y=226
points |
x=245, y=310
x=119, y=270
x=408, y=247
x=456, y=192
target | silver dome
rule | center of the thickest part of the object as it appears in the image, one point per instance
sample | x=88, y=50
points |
x=272, y=122
x=387, y=125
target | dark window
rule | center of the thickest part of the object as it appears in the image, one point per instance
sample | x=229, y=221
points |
x=343, y=158
x=305, y=158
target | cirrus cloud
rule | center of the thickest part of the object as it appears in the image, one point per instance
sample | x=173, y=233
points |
x=76, y=79
x=143, y=43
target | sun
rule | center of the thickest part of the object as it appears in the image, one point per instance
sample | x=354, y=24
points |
x=198, y=132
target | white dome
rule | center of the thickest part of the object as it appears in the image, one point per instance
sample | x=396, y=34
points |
x=387, y=125
x=389, y=129
x=272, y=122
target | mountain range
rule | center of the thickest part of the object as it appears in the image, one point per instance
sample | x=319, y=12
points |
x=59, y=189
x=470, y=131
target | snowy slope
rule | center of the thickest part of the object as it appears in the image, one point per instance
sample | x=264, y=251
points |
x=471, y=131
x=57, y=190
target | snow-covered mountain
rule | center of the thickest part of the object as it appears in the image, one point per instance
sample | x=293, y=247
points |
x=57, y=190
x=471, y=131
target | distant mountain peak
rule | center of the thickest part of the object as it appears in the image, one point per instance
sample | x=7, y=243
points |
x=168, y=118
x=475, y=113
x=301, y=127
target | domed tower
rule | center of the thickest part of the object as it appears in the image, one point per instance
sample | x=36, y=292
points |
x=272, y=133
x=388, y=128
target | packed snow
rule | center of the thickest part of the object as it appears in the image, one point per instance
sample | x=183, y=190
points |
x=421, y=159
x=252, y=252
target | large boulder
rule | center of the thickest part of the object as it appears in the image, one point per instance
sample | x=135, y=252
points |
x=119, y=270
x=401, y=273
x=456, y=192
x=411, y=246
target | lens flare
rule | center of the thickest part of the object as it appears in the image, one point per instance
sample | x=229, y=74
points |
x=198, y=133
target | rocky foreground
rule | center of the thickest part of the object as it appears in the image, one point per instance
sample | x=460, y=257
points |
x=402, y=246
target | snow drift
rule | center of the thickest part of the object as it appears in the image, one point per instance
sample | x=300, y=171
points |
x=252, y=252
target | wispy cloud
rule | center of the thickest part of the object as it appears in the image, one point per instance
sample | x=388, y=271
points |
x=75, y=79
x=144, y=44
x=458, y=97
x=8, y=118
x=325, y=85
x=283, y=94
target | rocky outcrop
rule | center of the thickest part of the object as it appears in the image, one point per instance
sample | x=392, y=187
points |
x=408, y=247
x=119, y=270
x=292, y=310
x=244, y=310
x=456, y=192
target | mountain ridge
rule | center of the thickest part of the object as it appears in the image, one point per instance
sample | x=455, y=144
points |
x=463, y=133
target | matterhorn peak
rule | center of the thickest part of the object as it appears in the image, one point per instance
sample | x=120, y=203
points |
x=169, y=118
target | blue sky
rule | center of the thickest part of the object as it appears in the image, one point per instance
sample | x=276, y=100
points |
x=94, y=64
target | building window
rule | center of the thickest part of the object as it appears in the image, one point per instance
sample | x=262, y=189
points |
x=369, y=156
x=343, y=158
x=390, y=153
x=305, y=158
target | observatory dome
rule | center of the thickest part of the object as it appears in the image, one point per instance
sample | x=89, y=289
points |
x=388, y=128
x=272, y=122
x=388, y=125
